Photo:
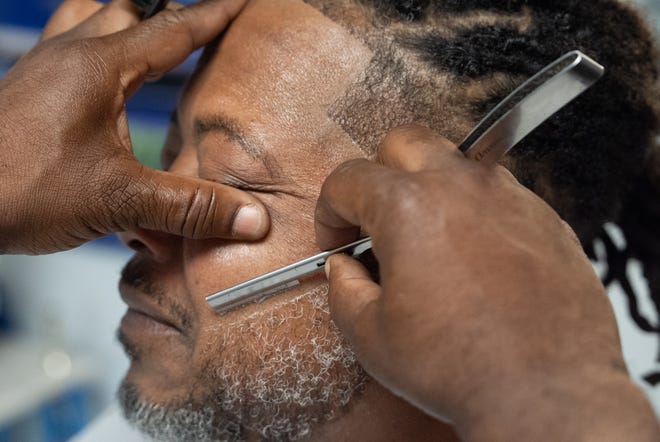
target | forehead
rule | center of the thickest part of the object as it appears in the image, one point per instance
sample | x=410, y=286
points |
x=279, y=66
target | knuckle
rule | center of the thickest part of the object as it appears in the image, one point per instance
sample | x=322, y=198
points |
x=168, y=18
x=478, y=179
x=406, y=196
x=394, y=138
x=175, y=22
x=342, y=174
x=200, y=212
x=346, y=168
x=409, y=134
x=407, y=192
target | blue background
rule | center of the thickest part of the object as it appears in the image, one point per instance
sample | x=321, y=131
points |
x=149, y=109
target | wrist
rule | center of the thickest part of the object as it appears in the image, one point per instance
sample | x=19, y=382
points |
x=589, y=406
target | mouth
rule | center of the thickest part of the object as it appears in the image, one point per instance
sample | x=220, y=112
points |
x=145, y=315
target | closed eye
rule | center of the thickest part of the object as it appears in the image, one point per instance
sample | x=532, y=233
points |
x=248, y=187
x=262, y=188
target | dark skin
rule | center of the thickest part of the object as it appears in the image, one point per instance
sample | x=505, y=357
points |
x=63, y=109
x=487, y=304
x=508, y=336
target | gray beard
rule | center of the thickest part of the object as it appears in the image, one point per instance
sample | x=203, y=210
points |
x=271, y=385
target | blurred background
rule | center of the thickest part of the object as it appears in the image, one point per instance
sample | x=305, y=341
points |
x=60, y=363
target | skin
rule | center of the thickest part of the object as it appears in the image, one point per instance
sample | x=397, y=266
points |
x=278, y=88
x=90, y=70
x=406, y=342
x=485, y=357
x=303, y=145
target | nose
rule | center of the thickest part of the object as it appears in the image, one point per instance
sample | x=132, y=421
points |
x=161, y=247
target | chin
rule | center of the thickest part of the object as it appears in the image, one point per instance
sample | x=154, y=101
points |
x=272, y=373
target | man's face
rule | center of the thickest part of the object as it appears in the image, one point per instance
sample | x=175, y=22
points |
x=254, y=117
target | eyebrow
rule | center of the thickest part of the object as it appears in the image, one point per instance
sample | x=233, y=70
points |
x=233, y=131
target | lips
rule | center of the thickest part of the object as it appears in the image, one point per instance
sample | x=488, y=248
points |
x=144, y=312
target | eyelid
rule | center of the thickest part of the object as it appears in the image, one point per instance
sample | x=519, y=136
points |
x=219, y=156
x=217, y=139
x=237, y=183
x=233, y=181
x=267, y=187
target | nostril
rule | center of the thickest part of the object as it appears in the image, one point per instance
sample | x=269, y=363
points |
x=147, y=243
x=137, y=245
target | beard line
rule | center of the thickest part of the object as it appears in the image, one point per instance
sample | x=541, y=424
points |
x=289, y=385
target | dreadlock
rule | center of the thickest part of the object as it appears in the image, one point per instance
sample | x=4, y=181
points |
x=446, y=63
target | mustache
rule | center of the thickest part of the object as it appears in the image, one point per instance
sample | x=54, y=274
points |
x=141, y=274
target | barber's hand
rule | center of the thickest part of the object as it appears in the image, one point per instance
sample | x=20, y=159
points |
x=67, y=171
x=488, y=313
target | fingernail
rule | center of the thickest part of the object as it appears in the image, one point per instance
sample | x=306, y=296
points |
x=248, y=222
x=327, y=269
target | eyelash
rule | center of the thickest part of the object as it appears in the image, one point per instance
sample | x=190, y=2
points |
x=239, y=184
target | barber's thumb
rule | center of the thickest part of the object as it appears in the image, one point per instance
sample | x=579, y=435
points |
x=193, y=208
x=352, y=297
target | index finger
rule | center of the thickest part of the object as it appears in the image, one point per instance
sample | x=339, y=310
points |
x=351, y=197
x=159, y=44
x=358, y=191
x=69, y=15
x=414, y=148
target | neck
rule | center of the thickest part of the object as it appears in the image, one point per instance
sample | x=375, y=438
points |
x=378, y=415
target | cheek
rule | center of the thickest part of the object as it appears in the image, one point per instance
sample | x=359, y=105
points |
x=210, y=266
x=236, y=341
